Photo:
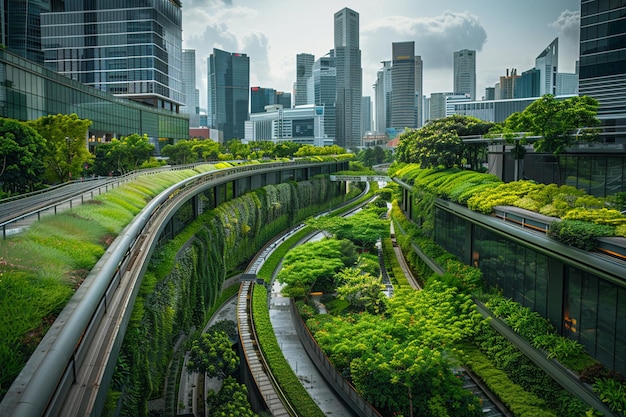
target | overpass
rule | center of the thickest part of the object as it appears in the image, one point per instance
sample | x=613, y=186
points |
x=69, y=373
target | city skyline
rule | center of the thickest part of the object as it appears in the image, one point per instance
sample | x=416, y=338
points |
x=273, y=33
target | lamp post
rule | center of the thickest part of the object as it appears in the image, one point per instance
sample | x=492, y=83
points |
x=69, y=158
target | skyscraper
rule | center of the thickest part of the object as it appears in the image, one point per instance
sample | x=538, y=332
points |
x=465, y=73
x=304, y=69
x=547, y=64
x=133, y=50
x=366, y=114
x=404, y=94
x=325, y=90
x=261, y=97
x=602, y=72
x=382, y=92
x=191, y=97
x=20, y=26
x=349, y=79
x=228, y=92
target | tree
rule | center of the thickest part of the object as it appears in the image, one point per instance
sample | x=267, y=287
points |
x=123, y=155
x=230, y=401
x=439, y=142
x=559, y=123
x=67, y=155
x=180, y=153
x=314, y=263
x=22, y=152
x=206, y=149
x=238, y=149
x=363, y=291
x=212, y=353
x=363, y=228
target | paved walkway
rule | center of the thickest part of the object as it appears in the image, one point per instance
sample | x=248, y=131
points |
x=315, y=384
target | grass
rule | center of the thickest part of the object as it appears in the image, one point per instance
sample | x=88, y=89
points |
x=41, y=268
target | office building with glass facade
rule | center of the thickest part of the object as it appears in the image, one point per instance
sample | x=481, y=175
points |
x=349, y=79
x=29, y=91
x=602, y=66
x=325, y=90
x=20, y=27
x=304, y=69
x=403, y=86
x=464, y=73
x=130, y=49
x=583, y=294
x=228, y=93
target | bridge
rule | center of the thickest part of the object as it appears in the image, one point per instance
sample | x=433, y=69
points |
x=69, y=373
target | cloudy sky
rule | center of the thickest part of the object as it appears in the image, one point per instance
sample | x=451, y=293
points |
x=505, y=34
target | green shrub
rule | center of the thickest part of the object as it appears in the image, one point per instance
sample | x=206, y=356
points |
x=612, y=393
x=579, y=234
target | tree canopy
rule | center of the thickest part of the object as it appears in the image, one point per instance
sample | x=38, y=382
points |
x=123, y=155
x=22, y=152
x=212, y=353
x=559, y=123
x=67, y=156
x=439, y=142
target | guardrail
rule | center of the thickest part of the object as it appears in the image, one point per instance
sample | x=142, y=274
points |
x=51, y=371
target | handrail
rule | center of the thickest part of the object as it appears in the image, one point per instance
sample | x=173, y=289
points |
x=52, y=368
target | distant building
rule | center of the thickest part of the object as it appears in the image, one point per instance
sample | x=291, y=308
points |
x=284, y=99
x=349, y=79
x=547, y=64
x=325, y=90
x=465, y=73
x=437, y=108
x=508, y=84
x=566, y=83
x=490, y=93
x=528, y=84
x=492, y=110
x=304, y=69
x=261, y=97
x=382, y=97
x=191, y=100
x=366, y=114
x=404, y=105
x=228, y=92
x=303, y=124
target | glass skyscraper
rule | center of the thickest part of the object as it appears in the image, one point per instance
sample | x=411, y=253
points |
x=304, y=68
x=404, y=92
x=191, y=98
x=20, y=27
x=325, y=90
x=602, y=73
x=130, y=49
x=228, y=92
x=465, y=73
x=349, y=79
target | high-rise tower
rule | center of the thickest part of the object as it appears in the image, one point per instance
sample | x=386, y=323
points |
x=325, y=90
x=304, y=69
x=228, y=92
x=547, y=64
x=465, y=73
x=602, y=67
x=130, y=49
x=191, y=96
x=405, y=96
x=349, y=79
x=20, y=27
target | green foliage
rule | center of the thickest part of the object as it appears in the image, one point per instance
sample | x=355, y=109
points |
x=579, y=234
x=363, y=228
x=613, y=393
x=66, y=154
x=361, y=290
x=123, y=155
x=212, y=353
x=311, y=262
x=22, y=152
x=556, y=121
x=230, y=401
x=439, y=143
